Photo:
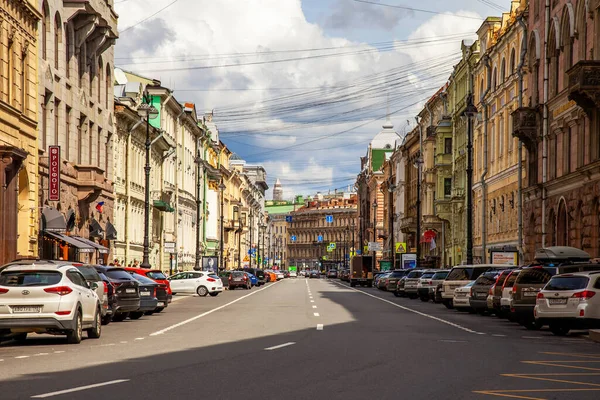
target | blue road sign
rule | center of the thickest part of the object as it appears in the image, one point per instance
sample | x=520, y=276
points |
x=288, y=218
x=329, y=219
x=253, y=250
x=320, y=238
x=293, y=238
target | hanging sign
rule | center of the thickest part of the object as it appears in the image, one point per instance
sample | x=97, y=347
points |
x=54, y=173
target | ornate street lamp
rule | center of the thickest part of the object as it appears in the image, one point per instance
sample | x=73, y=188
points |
x=374, y=233
x=147, y=112
x=470, y=113
x=222, y=188
x=263, y=228
x=199, y=170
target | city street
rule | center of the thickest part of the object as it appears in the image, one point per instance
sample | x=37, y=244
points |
x=305, y=338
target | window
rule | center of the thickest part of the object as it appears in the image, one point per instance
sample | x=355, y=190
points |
x=81, y=64
x=45, y=27
x=501, y=135
x=512, y=61
x=533, y=276
x=567, y=151
x=45, y=122
x=109, y=85
x=447, y=145
x=447, y=187
x=56, y=121
x=24, y=81
x=502, y=71
x=57, y=38
x=492, y=141
x=11, y=69
x=68, y=51
x=99, y=78
x=80, y=137
x=495, y=78
x=67, y=131
x=90, y=142
x=76, y=278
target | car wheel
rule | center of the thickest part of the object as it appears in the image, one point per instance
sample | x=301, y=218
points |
x=74, y=336
x=559, y=330
x=532, y=325
x=106, y=319
x=95, y=331
x=396, y=294
x=448, y=304
x=136, y=314
x=20, y=337
x=149, y=312
x=120, y=317
x=158, y=309
x=202, y=291
x=214, y=294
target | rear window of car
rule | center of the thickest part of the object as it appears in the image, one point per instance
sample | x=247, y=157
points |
x=142, y=278
x=414, y=274
x=30, y=278
x=214, y=276
x=118, y=274
x=237, y=274
x=439, y=275
x=567, y=283
x=89, y=273
x=534, y=276
x=156, y=275
x=460, y=274
x=397, y=274
x=510, y=279
x=486, y=279
x=427, y=275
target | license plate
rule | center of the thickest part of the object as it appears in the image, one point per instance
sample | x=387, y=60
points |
x=160, y=304
x=145, y=294
x=557, y=301
x=482, y=295
x=529, y=294
x=26, y=309
x=129, y=290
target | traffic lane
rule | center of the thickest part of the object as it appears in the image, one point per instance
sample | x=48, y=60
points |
x=118, y=334
x=488, y=324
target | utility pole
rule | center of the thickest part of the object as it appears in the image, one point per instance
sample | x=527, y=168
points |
x=470, y=112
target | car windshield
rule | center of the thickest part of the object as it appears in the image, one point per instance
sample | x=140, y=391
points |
x=30, y=278
x=567, y=283
x=156, y=275
x=118, y=274
x=414, y=274
x=89, y=273
x=142, y=278
x=439, y=275
x=465, y=274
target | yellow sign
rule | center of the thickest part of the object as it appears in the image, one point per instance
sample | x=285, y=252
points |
x=400, y=247
x=246, y=259
x=332, y=245
x=366, y=249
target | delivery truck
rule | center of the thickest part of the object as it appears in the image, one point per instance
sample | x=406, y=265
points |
x=361, y=271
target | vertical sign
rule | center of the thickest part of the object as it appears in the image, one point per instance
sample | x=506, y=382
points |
x=54, y=173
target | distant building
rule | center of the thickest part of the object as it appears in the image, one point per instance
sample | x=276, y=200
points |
x=277, y=191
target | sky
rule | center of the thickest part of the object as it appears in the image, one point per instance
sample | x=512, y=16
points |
x=300, y=86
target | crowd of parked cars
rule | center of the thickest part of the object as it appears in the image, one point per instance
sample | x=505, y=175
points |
x=69, y=298
x=561, y=289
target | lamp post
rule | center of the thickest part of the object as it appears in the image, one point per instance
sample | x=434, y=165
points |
x=374, y=233
x=198, y=161
x=391, y=189
x=222, y=188
x=346, y=246
x=149, y=112
x=263, y=228
x=470, y=112
x=353, y=231
x=251, y=228
x=240, y=230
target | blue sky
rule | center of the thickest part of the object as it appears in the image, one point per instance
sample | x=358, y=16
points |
x=307, y=116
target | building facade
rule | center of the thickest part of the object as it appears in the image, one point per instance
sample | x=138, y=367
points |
x=19, y=196
x=76, y=113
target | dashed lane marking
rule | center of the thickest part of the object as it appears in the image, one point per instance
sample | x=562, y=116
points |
x=21, y=357
x=279, y=346
x=414, y=311
x=312, y=301
x=78, y=389
x=316, y=314
x=498, y=335
x=314, y=306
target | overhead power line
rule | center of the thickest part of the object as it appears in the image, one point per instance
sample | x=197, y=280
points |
x=148, y=17
x=417, y=9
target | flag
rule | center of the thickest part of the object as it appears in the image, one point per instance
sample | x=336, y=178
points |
x=432, y=245
x=99, y=206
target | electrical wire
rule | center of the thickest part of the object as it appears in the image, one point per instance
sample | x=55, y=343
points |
x=416, y=9
x=148, y=17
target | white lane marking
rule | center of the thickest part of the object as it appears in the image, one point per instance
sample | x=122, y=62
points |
x=123, y=341
x=78, y=389
x=108, y=344
x=532, y=337
x=177, y=298
x=187, y=321
x=316, y=314
x=279, y=346
x=1, y=360
x=59, y=351
x=497, y=335
x=312, y=301
x=314, y=306
x=319, y=327
x=452, y=341
x=20, y=357
x=414, y=311
x=40, y=354
x=139, y=338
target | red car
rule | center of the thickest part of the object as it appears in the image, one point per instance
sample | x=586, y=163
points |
x=157, y=276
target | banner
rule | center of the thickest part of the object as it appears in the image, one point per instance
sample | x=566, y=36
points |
x=54, y=173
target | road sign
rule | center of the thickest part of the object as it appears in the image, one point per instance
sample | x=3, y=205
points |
x=329, y=248
x=320, y=238
x=288, y=218
x=293, y=238
x=329, y=219
x=170, y=248
x=332, y=245
x=246, y=259
x=375, y=246
x=400, y=247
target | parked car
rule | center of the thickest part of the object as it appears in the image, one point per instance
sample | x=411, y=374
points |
x=480, y=291
x=239, y=279
x=260, y=275
x=126, y=291
x=380, y=282
x=314, y=274
x=52, y=298
x=569, y=301
x=344, y=275
x=530, y=281
x=459, y=276
x=332, y=273
x=423, y=285
x=160, y=293
x=460, y=300
x=112, y=299
x=253, y=279
x=148, y=300
x=279, y=275
x=92, y=276
x=272, y=276
x=202, y=283
x=435, y=285
x=157, y=276
x=392, y=280
x=411, y=282
x=507, y=293
x=377, y=275
x=399, y=292
x=293, y=274
x=495, y=294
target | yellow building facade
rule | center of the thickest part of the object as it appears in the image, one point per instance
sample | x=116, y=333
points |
x=18, y=129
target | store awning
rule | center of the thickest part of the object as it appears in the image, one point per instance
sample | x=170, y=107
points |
x=53, y=220
x=101, y=249
x=79, y=245
x=111, y=232
x=96, y=230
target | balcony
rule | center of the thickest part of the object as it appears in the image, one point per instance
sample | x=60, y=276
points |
x=161, y=201
x=525, y=127
x=458, y=193
x=408, y=224
x=584, y=85
x=91, y=182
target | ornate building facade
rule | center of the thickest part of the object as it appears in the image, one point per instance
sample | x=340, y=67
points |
x=19, y=184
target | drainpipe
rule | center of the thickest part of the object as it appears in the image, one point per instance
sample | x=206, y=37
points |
x=484, y=105
x=128, y=188
x=520, y=152
x=545, y=124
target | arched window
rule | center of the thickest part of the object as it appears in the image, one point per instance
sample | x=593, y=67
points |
x=582, y=30
x=57, y=38
x=551, y=235
x=552, y=52
x=45, y=28
x=109, y=86
x=534, y=67
x=99, y=79
x=495, y=78
x=562, y=226
x=503, y=70
x=512, y=61
x=481, y=90
x=567, y=42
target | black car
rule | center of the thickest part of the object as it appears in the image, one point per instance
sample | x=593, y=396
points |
x=112, y=299
x=314, y=274
x=92, y=276
x=126, y=291
x=332, y=273
x=259, y=274
x=149, y=296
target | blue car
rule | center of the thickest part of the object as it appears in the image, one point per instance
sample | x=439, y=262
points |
x=253, y=279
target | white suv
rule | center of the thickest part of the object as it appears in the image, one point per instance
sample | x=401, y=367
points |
x=48, y=297
x=569, y=301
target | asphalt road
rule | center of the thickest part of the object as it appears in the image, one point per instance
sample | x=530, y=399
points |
x=304, y=339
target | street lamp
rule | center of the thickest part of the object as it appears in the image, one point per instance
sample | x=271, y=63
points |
x=147, y=111
x=391, y=189
x=263, y=228
x=470, y=113
x=222, y=188
x=198, y=204
x=346, y=247
x=374, y=233
x=239, y=232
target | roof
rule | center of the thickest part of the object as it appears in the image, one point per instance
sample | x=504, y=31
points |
x=386, y=138
x=280, y=209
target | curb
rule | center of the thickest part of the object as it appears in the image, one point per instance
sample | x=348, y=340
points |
x=595, y=335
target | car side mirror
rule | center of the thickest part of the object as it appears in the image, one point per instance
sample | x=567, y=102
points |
x=93, y=285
